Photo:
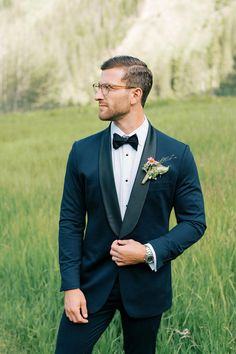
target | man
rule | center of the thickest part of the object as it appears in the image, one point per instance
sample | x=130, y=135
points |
x=115, y=244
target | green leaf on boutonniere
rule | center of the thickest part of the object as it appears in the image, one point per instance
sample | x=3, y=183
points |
x=153, y=169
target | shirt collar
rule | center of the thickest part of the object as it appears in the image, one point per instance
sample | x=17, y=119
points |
x=141, y=131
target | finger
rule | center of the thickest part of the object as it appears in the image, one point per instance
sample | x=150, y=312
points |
x=114, y=253
x=114, y=243
x=117, y=258
x=122, y=242
x=82, y=320
x=114, y=247
x=84, y=310
x=78, y=318
x=120, y=264
x=74, y=319
x=70, y=316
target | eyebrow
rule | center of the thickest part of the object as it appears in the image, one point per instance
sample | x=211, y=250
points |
x=107, y=83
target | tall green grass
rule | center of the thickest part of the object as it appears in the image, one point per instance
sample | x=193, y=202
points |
x=33, y=153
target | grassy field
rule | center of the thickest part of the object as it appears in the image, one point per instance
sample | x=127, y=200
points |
x=33, y=152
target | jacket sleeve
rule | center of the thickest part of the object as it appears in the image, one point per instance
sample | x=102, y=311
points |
x=189, y=212
x=71, y=225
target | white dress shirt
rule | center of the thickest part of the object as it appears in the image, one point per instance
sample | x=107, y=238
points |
x=125, y=161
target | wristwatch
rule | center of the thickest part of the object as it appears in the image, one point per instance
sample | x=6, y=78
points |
x=148, y=258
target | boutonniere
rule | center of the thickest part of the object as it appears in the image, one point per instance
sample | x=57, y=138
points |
x=155, y=168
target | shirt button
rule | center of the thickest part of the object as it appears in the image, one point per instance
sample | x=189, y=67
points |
x=126, y=180
x=126, y=154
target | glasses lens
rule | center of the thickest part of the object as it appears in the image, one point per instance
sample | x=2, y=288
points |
x=104, y=88
x=95, y=88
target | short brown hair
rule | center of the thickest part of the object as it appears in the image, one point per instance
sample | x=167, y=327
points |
x=137, y=73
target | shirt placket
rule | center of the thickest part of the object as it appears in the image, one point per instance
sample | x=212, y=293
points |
x=126, y=168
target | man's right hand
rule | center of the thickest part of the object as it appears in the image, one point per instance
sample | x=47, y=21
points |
x=75, y=306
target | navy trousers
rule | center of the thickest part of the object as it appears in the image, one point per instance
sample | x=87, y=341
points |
x=139, y=334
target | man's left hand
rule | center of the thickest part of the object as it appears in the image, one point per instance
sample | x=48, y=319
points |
x=127, y=252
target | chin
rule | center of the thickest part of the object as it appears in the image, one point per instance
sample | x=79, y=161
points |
x=105, y=118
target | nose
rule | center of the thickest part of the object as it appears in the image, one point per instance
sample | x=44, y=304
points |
x=98, y=95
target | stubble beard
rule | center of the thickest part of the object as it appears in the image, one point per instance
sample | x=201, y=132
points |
x=116, y=116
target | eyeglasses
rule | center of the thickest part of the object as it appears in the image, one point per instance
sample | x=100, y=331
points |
x=105, y=88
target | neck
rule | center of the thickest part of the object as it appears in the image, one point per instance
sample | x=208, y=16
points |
x=130, y=122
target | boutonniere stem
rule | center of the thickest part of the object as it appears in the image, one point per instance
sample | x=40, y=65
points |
x=153, y=169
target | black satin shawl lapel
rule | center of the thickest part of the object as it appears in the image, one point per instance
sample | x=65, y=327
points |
x=139, y=190
x=107, y=184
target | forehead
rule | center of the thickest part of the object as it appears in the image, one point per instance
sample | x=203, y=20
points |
x=113, y=75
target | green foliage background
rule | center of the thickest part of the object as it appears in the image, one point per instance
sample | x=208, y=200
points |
x=33, y=154
x=49, y=57
x=51, y=50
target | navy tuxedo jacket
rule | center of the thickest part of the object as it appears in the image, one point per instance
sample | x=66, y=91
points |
x=90, y=221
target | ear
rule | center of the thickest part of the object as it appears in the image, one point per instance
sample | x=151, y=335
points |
x=136, y=95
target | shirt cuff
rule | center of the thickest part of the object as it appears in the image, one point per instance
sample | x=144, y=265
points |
x=152, y=265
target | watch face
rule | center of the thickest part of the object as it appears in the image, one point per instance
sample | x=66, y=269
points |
x=149, y=259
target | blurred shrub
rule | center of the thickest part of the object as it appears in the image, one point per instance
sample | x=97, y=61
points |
x=228, y=86
x=50, y=51
x=51, y=55
x=189, y=45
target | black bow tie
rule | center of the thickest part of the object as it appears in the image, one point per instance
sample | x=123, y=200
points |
x=120, y=140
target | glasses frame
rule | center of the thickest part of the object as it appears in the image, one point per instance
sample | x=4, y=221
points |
x=108, y=87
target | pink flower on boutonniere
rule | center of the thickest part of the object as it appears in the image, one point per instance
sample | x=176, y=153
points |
x=153, y=169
